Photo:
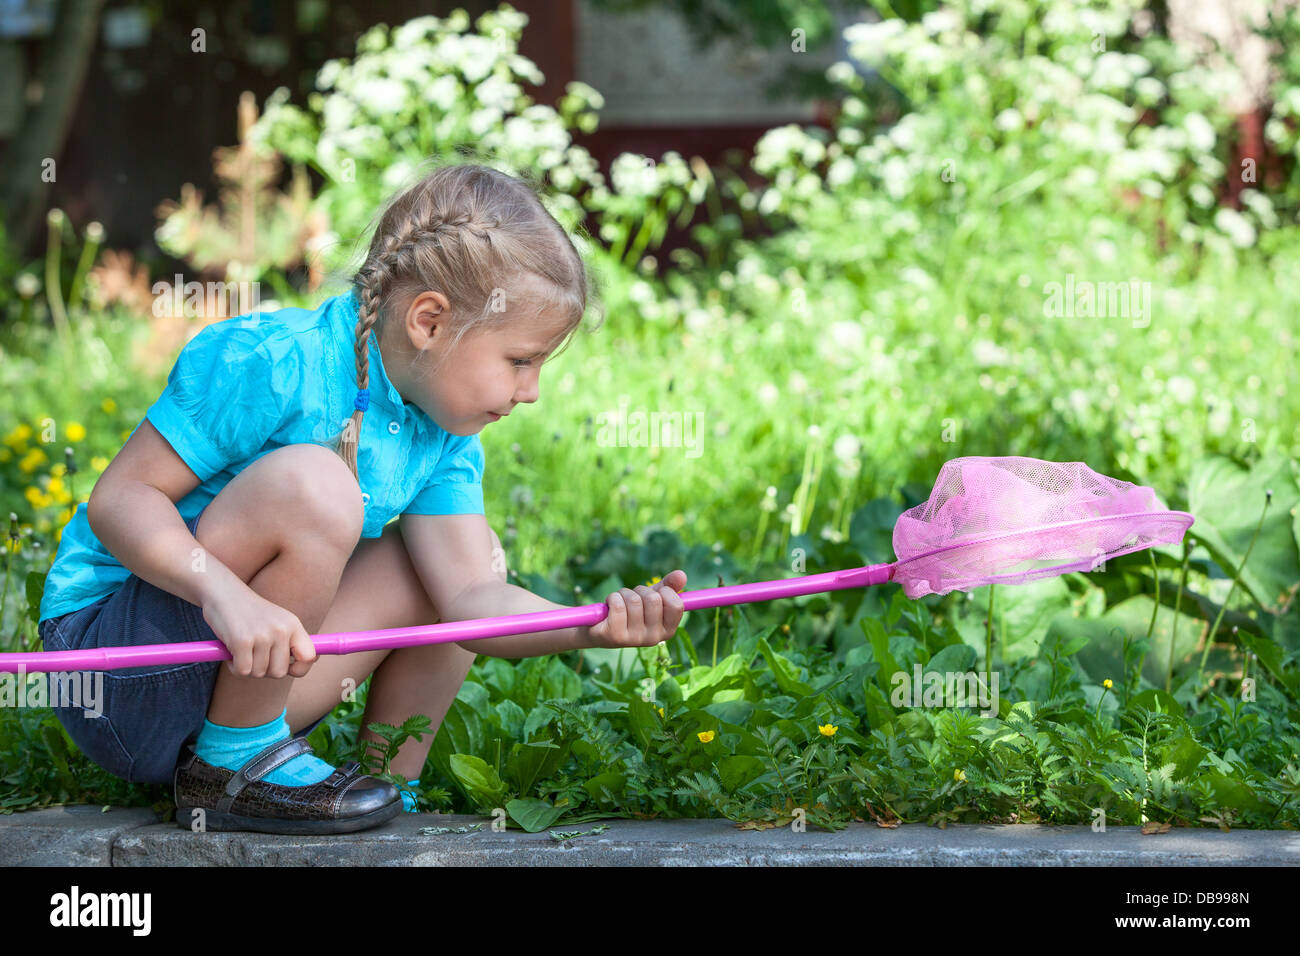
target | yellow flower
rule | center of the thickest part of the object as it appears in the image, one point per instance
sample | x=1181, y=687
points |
x=653, y=581
x=56, y=485
x=99, y=463
x=661, y=711
x=33, y=496
x=76, y=431
x=32, y=459
x=828, y=730
x=959, y=775
x=705, y=736
x=785, y=628
x=58, y=470
x=1107, y=683
x=108, y=405
x=14, y=545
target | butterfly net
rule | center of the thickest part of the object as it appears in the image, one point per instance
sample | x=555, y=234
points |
x=1012, y=520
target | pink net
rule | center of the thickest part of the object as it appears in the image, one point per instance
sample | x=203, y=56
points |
x=1011, y=520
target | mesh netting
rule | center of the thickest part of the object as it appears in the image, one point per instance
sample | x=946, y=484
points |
x=1011, y=520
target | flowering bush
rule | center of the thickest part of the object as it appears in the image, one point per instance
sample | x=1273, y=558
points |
x=433, y=88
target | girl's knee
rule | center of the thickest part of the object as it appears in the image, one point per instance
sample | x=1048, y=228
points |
x=316, y=486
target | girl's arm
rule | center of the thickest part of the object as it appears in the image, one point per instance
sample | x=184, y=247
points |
x=453, y=557
x=497, y=599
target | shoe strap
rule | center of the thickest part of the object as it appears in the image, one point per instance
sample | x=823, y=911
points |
x=259, y=765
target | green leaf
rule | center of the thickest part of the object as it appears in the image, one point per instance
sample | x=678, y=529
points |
x=1185, y=754
x=480, y=780
x=1157, y=700
x=875, y=633
x=644, y=720
x=35, y=591
x=461, y=731
x=787, y=678
x=1233, y=793
x=512, y=718
x=1227, y=501
x=1022, y=614
x=609, y=780
x=703, y=681
x=1133, y=616
x=560, y=682
x=732, y=711
x=955, y=658
x=533, y=814
x=880, y=715
x=871, y=530
x=528, y=678
x=1274, y=658
x=1097, y=646
x=530, y=763
x=539, y=717
x=739, y=770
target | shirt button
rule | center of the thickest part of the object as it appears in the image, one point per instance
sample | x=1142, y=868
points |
x=394, y=428
x=365, y=499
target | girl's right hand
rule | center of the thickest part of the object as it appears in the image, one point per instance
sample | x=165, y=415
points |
x=259, y=634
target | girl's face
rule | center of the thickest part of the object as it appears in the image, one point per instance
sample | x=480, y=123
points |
x=483, y=379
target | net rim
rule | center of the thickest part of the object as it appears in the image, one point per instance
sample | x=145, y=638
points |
x=1035, y=529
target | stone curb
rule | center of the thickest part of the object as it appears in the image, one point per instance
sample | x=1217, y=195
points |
x=85, y=836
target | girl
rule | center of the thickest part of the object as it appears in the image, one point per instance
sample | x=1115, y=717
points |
x=239, y=511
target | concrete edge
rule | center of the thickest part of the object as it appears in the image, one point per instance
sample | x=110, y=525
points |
x=82, y=835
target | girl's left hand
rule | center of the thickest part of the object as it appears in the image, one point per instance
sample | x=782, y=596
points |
x=642, y=617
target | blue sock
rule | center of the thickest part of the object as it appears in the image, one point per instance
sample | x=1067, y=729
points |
x=231, y=748
x=408, y=799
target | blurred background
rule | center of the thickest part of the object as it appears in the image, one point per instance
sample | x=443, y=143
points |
x=841, y=243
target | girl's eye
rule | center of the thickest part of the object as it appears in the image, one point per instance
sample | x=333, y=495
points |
x=520, y=363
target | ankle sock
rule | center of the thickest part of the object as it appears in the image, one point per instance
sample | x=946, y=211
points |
x=231, y=748
x=408, y=799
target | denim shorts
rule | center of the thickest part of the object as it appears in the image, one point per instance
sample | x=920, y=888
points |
x=145, y=714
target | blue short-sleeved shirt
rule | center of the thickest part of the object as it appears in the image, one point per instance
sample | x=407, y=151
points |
x=248, y=385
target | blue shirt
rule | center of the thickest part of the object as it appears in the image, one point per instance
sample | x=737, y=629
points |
x=248, y=385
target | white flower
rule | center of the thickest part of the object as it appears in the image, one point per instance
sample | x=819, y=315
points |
x=847, y=448
x=1200, y=131
x=380, y=95
x=1235, y=225
x=1009, y=120
x=475, y=56
x=1181, y=388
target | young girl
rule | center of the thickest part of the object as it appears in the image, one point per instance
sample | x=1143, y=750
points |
x=252, y=506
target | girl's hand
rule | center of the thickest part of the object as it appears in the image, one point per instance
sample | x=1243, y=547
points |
x=642, y=617
x=259, y=634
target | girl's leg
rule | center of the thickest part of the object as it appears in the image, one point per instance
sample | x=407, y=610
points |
x=286, y=525
x=409, y=680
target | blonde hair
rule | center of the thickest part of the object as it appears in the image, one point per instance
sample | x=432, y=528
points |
x=478, y=236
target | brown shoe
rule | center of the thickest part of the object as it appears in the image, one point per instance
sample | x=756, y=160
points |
x=344, y=802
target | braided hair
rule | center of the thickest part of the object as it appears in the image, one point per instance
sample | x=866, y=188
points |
x=478, y=236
